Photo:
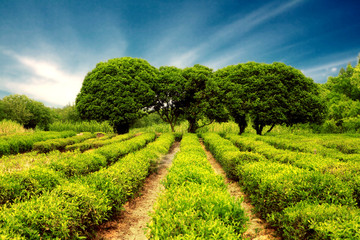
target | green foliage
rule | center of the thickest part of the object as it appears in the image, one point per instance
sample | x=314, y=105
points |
x=196, y=204
x=228, y=155
x=66, y=114
x=276, y=186
x=83, y=126
x=315, y=221
x=201, y=98
x=9, y=127
x=270, y=94
x=120, y=181
x=72, y=209
x=169, y=94
x=118, y=149
x=80, y=164
x=116, y=91
x=65, y=213
x=98, y=142
x=22, y=142
x=60, y=143
x=27, y=112
x=23, y=185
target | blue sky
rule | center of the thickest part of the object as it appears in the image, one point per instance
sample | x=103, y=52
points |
x=48, y=46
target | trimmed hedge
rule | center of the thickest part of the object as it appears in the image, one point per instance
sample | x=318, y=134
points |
x=19, y=143
x=22, y=185
x=315, y=221
x=99, y=142
x=121, y=180
x=60, y=144
x=71, y=210
x=291, y=198
x=26, y=184
x=228, y=155
x=196, y=203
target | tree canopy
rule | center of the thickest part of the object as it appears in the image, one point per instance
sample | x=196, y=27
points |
x=201, y=100
x=169, y=94
x=269, y=94
x=117, y=90
x=26, y=111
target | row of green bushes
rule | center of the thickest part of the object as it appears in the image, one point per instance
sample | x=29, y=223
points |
x=60, y=143
x=23, y=142
x=344, y=150
x=196, y=203
x=346, y=171
x=84, y=126
x=21, y=185
x=99, y=142
x=72, y=209
x=283, y=194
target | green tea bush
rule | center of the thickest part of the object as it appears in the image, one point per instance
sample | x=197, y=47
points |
x=84, y=126
x=120, y=181
x=72, y=209
x=23, y=142
x=319, y=221
x=196, y=203
x=80, y=164
x=99, y=142
x=275, y=186
x=227, y=154
x=113, y=151
x=65, y=213
x=60, y=144
x=26, y=184
x=304, y=160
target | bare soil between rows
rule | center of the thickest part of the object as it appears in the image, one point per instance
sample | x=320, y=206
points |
x=131, y=223
x=258, y=229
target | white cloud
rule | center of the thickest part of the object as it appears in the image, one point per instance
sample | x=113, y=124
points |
x=47, y=82
x=225, y=35
x=320, y=72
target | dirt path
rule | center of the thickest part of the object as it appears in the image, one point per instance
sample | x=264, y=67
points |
x=131, y=223
x=257, y=228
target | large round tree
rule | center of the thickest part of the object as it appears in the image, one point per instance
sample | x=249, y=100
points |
x=117, y=90
x=270, y=94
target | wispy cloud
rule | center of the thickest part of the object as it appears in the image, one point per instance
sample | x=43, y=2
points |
x=236, y=29
x=331, y=68
x=46, y=81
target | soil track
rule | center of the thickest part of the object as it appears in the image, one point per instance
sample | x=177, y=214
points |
x=131, y=223
x=258, y=229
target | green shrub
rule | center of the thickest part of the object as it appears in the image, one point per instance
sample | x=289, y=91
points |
x=60, y=144
x=275, y=186
x=80, y=164
x=65, y=213
x=26, y=184
x=99, y=142
x=319, y=221
x=113, y=151
x=227, y=154
x=91, y=126
x=196, y=203
x=120, y=181
x=23, y=142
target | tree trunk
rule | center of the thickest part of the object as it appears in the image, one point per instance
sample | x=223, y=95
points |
x=272, y=126
x=241, y=121
x=259, y=128
x=192, y=125
x=121, y=128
